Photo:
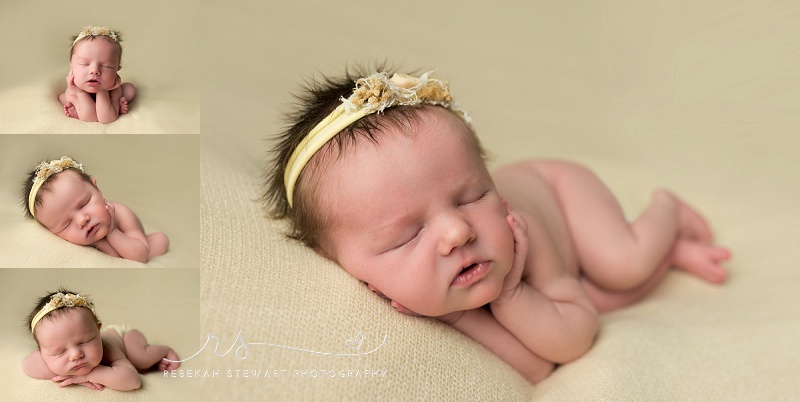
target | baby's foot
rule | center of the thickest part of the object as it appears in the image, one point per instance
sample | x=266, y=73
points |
x=693, y=225
x=165, y=365
x=69, y=110
x=701, y=259
x=123, y=105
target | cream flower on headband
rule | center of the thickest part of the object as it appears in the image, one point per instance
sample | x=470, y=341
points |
x=96, y=30
x=378, y=92
x=44, y=170
x=61, y=300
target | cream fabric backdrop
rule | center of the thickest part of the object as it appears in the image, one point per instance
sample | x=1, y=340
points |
x=159, y=55
x=700, y=97
x=162, y=304
x=156, y=176
x=697, y=96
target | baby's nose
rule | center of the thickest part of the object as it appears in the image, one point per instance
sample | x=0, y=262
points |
x=76, y=354
x=456, y=232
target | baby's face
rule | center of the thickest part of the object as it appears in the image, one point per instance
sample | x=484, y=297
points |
x=70, y=343
x=74, y=209
x=418, y=217
x=94, y=64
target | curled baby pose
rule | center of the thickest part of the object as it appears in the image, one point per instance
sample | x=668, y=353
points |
x=95, y=91
x=72, y=349
x=385, y=175
x=66, y=200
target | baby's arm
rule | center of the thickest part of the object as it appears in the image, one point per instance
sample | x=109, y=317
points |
x=119, y=374
x=556, y=321
x=481, y=326
x=83, y=102
x=126, y=237
x=34, y=366
x=108, y=103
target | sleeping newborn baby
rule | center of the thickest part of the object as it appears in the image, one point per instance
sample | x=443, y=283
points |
x=95, y=91
x=67, y=201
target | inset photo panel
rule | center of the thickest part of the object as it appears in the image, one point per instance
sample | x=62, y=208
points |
x=77, y=335
x=85, y=201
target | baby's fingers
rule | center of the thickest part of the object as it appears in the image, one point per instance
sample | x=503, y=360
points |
x=64, y=380
x=401, y=308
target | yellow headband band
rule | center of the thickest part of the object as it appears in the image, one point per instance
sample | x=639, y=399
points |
x=43, y=172
x=61, y=300
x=96, y=30
x=372, y=94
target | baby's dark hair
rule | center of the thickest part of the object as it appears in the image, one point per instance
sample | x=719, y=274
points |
x=313, y=104
x=41, y=302
x=28, y=184
x=117, y=42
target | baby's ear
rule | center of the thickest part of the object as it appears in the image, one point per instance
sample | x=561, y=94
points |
x=99, y=325
x=94, y=182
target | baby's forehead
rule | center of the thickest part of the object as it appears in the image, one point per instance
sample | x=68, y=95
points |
x=63, y=186
x=91, y=43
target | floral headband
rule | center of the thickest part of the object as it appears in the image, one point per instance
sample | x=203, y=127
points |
x=372, y=94
x=61, y=300
x=43, y=172
x=96, y=30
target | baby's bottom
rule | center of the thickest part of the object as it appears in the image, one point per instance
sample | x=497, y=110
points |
x=142, y=355
x=158, y=242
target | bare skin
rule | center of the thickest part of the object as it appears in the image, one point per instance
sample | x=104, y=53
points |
x=95, y=92
x=72, y=350
x=76, y=211
x=440, y=250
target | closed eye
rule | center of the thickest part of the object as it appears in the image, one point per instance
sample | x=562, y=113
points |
x=407, y=242
x=480, y=197
x=66, y=226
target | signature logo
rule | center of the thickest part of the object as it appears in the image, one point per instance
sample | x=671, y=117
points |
x=243, y=347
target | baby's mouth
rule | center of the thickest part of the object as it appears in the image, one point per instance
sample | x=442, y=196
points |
x=471, y=273
x=92, y=231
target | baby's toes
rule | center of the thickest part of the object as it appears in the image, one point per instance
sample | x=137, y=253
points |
x=719, y=254
x=701, y=260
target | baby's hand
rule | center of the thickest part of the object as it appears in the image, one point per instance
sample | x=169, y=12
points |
x=71, y=82
x=397, y=306
x=111, y=213
x=519, y=228
x=65, y=380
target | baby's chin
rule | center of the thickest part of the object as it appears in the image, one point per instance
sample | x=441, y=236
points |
x=93, y=90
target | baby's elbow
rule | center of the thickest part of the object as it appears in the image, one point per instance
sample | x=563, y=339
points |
x=572, y=347
x=135, y=383
x=538, y=372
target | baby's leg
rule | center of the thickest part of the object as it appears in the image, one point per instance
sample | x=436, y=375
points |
x=128, y=93
x=614, y=254
x=694, y=257
x=158, y=242
x=144, y=356
x=69, y=108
